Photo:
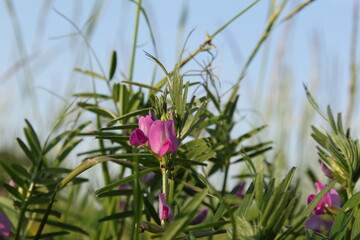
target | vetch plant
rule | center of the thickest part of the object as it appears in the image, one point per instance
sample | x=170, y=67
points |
x=166, y=153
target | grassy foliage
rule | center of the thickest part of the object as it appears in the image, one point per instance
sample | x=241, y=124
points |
x=50, y=201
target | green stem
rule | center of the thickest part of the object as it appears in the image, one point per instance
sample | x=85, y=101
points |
x=132, y=63
x=24, y=205
x=165, y=182
x=225, y=180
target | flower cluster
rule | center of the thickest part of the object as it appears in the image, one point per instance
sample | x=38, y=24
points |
x=239, y=189
x=330, y=200
x=158, y=135
x=4, y=226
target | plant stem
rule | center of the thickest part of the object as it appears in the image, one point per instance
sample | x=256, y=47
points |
x=225, y=180
x=165, y=182
x=132, y=63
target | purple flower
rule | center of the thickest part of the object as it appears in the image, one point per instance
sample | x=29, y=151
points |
x=159, y=135
x=240, y=186
x=122, y=204
x=200, y=216
x=162, y=137
x=5, y=226
x=318, y=224
x=165, y=212
x=148, y=178
x=326, y=170
x=330, y=198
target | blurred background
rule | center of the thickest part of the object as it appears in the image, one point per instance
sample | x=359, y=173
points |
x=43, y=42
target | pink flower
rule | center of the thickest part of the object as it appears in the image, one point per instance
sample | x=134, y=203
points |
x=145, y=124
x=200, y=216
x=165, y=212
x=239, y=188
x=326, y=170
x=317, y=224
x=330, y=198
x=159, y=135
x=5, y=226
x=162, y=137
x=140, y=135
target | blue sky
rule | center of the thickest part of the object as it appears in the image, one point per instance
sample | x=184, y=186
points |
x=317, y=40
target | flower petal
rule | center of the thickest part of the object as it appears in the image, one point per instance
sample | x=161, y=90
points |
x=335, y=198
x=137, y=137
x=240, y=186
x=200, y=216
x=145, y=124
x=157, y=136
x=318, y=224
x=326, y=199
x=166, y=146
x=164, y=209
x=314, y=223
x=170, y=133
x=326, y=170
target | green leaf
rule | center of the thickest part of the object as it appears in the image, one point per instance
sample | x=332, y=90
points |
x=49, y=235
x=307, y=211
x=66, y=151
x=250, y=134
x=98, y=110
x=331, y=120
x=26, y=150
x=259, y=187
x=344, y=221
x=274, y=207
x=43, y=211
x=120, y=127
x=112, y=193
x=125, y=180
x=32, y=138
x=205, y=157
x=355, y=233
x=91, y=95
x=65, y=226
x=151, y=227
x=90, y=73
x=113, y=65
x=13, y=173
x=313, y=103
x=184, y=216
x=21, y=170
x=247, y=201
x=116, y=216
x=286, y=182
x=193, y=122
x=199, y=227
x=81, y=168
x=14, y=191
x=151, y=210
x=212, y=97
x=135, y=113
x=142, y=85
